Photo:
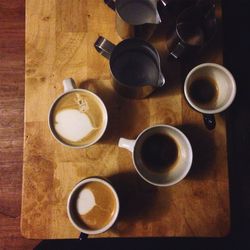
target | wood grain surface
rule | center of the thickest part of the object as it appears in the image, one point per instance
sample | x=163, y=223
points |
x=11, y=123
x=59, y=44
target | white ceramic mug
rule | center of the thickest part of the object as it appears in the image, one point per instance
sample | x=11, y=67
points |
x=70, y=86
x=71, y=206
x=183, y=162
x=225, y=87
x=225, y=82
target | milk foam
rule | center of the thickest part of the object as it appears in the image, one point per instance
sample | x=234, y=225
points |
x=85, y=202
x=72, y=124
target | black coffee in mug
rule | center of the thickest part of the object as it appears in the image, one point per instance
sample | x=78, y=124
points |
x=159, y=152
x=204, y=92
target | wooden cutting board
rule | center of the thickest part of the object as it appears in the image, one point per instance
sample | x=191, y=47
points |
x=59, y=44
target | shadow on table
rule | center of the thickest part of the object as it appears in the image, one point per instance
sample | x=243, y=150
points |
x=138, y=200
x=147, y=243
x=204, y=150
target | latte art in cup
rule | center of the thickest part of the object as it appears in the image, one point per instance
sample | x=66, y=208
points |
x=93, y=205
x=77, y=118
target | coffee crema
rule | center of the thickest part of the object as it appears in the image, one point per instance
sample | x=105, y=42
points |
x=159, y=152
x=77, y=118
x=204, y=92
x=95, y=205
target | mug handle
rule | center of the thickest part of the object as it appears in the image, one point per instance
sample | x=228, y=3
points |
x=110, y=3
x=83, y=236
x=127, y=144
x=104, y=47
x=178, y=50
x=69, y=84
x=209, y=121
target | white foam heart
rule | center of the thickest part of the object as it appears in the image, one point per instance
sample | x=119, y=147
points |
x=85, y=201
x=72, y=124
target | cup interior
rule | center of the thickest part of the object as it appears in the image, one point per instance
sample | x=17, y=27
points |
x=104, y=113
x=225, y=87
x=71, y=206
x=182, y=163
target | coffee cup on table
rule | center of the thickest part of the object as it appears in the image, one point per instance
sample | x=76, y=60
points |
x=209, y=88
x=77, y=118
x=93, y=205
x=162, y=154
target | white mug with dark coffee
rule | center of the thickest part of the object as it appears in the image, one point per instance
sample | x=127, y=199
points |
x=93, y=205
x=209, y=88
x=162, y=154
x=77, y=118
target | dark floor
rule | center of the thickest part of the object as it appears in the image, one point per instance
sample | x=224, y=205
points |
x=237, y=52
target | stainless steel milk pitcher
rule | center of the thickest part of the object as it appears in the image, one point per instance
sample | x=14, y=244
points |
x=134, y=65
x=136, y=18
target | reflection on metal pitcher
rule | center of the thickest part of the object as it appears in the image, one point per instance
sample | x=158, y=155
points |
x=134, y=64
x=136, y=18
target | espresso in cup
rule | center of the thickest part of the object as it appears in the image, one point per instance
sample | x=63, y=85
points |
x=204, y=92
x=78, y=118
x=93, y=206
x=159, y=152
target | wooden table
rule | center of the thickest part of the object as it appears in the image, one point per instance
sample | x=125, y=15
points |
x=59, y=43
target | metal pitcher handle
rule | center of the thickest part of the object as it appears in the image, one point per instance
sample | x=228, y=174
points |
x=164, y=2
x=178, y=50
x=110, y=3
x=104, y=47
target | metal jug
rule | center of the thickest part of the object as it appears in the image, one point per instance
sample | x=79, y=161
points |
x=136, y=18
x=134, y=65
x=195, y=27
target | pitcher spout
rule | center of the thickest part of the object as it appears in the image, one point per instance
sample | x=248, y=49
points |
x=155, y=19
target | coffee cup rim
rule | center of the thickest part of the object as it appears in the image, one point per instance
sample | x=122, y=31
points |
x=105, y=113
x=216, y=110
x=114, y=218
x=190, y=154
